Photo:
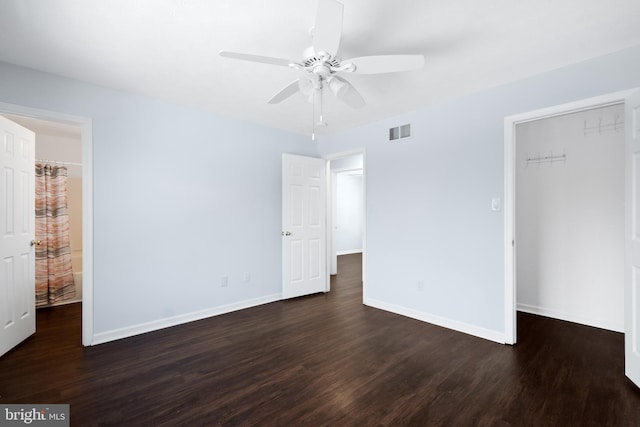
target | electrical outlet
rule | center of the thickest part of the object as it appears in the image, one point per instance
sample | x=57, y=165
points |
x=224, y=281
x=246, y=277
x=420, y=285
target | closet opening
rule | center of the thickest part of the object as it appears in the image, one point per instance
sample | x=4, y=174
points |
x=569, y=217
x=564, y=213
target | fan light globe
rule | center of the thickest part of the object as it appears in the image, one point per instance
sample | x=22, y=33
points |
x=337, y=87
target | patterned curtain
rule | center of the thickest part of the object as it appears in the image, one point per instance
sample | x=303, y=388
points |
x=54, y=276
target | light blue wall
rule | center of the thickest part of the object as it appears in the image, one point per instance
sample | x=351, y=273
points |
x=181, y=197
x=429, y=198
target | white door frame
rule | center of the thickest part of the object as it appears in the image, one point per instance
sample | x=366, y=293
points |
x=331, y=211
x=87, y=202
x=331, y=221
x=510, y=123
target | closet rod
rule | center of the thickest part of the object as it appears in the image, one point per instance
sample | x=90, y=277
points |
x=58, y=162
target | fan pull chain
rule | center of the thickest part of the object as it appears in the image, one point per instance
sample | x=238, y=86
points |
x=313, y=118
x=321, y=105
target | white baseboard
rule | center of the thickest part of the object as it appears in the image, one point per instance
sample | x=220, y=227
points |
x=155, y=325
x=569, y=317
x=352, y=251
x=455, y=325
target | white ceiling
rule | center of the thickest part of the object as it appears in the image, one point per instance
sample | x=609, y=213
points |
x=168, y=49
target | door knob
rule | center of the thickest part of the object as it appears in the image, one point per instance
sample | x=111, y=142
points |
x=36, y=242
x=286, y=233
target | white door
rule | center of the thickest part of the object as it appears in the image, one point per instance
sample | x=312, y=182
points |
x=303, y=225
x=17, y=225
x=632, y=276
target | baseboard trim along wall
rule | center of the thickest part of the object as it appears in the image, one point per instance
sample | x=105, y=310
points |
x=129, y=331
x=596, y=323
x=455, y=325
x=352, y=251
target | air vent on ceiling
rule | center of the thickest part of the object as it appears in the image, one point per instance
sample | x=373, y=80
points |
x=399, y=132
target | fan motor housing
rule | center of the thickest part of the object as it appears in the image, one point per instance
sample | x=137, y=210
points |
x=313, y=58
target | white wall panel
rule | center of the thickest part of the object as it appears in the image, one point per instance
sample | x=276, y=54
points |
x=297, y=257
x=8, y=275
x=297, y=206
x=315, y=262
x=8, y=194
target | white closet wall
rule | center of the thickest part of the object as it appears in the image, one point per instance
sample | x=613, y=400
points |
x=570, y=217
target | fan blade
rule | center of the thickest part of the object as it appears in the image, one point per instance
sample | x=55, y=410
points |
x=347, y=93
x=286, y=92
x=256, y=58
x=328, y=27
x=386, y=63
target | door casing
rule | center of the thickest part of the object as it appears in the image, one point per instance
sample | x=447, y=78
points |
x=87, y=202
x=331, y=214
x=509, y=244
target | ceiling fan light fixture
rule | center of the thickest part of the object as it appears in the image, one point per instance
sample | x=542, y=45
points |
x=338, y=88
x=314, y=95
x=306, y=86
x=321, y=63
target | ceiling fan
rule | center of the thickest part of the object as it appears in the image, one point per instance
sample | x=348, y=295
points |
x=321, y=62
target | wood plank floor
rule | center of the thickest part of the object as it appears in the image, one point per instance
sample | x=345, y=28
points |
x=324, y=360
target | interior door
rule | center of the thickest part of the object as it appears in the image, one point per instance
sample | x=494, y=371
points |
x=632, y=276
x=303, y=226
x=17, y=225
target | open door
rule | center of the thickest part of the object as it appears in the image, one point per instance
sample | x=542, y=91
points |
x=303, y=225
x=17, y=227
x=632, y=229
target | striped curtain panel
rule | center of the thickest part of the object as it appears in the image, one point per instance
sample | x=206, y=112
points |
x=54, y=276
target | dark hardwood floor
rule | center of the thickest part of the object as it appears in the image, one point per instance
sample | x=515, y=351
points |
x=324, y=360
